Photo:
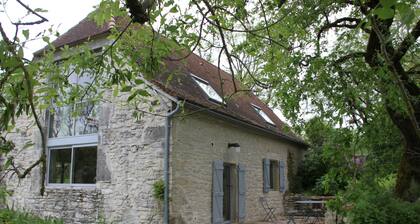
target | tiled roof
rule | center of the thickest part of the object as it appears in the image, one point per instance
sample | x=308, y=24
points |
x=182, y=86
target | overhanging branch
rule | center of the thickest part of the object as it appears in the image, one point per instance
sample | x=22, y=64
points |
x=409, y=40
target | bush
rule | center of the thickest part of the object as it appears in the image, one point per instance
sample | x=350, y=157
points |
x=311, y=170
x=159, y=190
x=13, y=217
x=373, y=202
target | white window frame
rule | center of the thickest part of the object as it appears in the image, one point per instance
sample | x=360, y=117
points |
x=199, y=80
x=263, y=115
x=71, y=185
x=65, y=143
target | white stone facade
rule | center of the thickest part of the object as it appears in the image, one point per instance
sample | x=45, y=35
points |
x=129, y=161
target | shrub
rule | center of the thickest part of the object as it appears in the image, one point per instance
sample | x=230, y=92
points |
x=159, y=190
x=13, y=217
x=373, y=202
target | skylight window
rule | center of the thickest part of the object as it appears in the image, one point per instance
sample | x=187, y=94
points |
x=263, y=114
x=206, y=87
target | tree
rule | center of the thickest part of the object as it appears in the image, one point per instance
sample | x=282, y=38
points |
x=369, y=67
x=347, y=61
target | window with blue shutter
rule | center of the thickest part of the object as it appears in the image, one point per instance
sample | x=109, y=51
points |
x=241, y=193
x=217, y=207
x=266, y=175
x=282, y=173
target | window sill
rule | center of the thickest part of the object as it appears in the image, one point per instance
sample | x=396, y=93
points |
x=71, y=186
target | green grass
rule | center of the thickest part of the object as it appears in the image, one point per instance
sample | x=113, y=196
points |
x=8, y=216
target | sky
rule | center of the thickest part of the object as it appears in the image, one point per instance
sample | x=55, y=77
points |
x=61, y=15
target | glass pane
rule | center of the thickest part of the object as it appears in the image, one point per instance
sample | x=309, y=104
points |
x=59, y=170
x=61, y=122
x=86, y=120
x=266, y=118
x=272, y=167
x=211, y=93
x=82, y=79
x=84, y=165
x=227, y=192
x=263, y=115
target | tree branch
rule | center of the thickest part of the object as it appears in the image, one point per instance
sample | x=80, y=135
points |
x=42, y=159
x=41, y=20
x=409, y=40
x=350, y=56
x=345, y=22
x=222, y=37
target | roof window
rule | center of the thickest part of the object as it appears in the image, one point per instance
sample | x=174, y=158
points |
x=263, y=114
x=206, y=87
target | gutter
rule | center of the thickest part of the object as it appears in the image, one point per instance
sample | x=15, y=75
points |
x=166, y=162
x=167, y=145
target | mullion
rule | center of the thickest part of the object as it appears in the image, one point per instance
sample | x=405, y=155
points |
x=71, y=164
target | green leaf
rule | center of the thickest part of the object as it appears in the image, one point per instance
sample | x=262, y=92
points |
x=115, y=92
x=142, y=92
x=174, y=9
x=46, y=39
x=384, y=13
x=406, y=12
x=126, y=88
x=20, y=52
x=40, y=10
x=28, y=144
x=25, y=33
x=388, y=3
x=131, y=97
x=138, y=81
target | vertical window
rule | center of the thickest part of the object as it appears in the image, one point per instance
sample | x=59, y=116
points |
x=73, y=134
x=60, y=166
x=73, y=138
x=73, y=165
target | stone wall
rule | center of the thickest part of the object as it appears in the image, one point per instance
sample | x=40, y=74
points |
x=129, y=161
x=200, y=139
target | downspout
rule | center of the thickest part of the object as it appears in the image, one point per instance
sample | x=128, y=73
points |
x=166, y=163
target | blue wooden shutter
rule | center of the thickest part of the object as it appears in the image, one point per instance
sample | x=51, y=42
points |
x=282, y=176
x=217, y=210
x=266, y=175
x=241, y=193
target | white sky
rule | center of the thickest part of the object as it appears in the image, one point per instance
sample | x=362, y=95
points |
x=61, y=15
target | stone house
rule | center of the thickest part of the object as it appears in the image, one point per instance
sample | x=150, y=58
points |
x=216, y=162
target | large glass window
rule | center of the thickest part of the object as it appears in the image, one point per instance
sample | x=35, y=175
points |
x=76, y=118
x=73, y=132
x=72, y=165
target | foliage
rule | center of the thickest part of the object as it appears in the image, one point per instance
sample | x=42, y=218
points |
x=8, y=216
x=328, y=166
x=159, y=190
x=372, y=201
x=347, y=62
x=292, y=173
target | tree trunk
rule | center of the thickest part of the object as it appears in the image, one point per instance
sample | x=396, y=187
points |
x=409, y=170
